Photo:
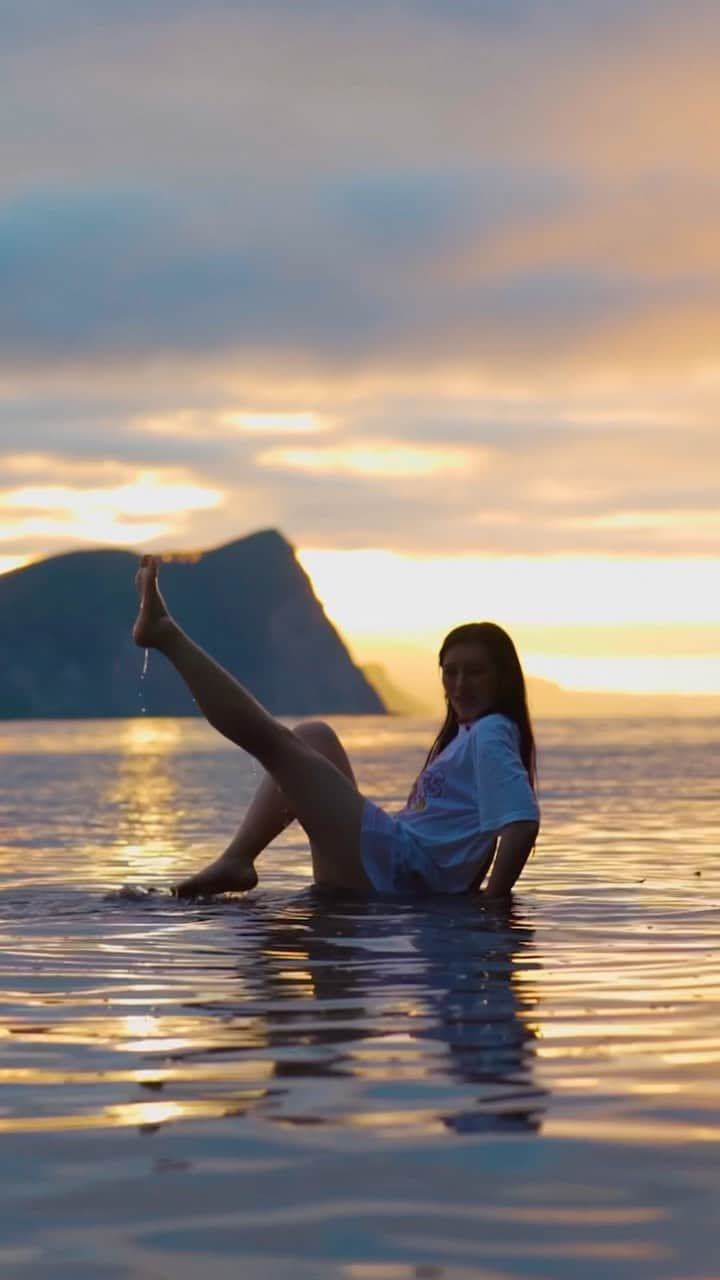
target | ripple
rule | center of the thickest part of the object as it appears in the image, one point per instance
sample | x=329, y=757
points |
x=355, y=1067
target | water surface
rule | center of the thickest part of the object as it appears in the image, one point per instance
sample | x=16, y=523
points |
x=294, y=1084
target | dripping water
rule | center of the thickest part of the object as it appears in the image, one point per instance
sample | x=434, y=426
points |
x=143, y=673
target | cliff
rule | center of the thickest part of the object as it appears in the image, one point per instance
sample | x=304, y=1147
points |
x=398, y=702
x=66, y=651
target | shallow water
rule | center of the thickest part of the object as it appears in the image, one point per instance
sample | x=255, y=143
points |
x=290, y=1084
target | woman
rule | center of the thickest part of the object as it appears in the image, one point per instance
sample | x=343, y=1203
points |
x=472, y=805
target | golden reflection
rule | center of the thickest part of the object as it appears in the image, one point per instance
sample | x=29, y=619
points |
x=426, y=1120
x=298, y=976
x=155, y=733
x=144, y=1035
x=662, y=1131
x=256, y=1070
x=148, y=1034
x=698, y=1057
x=147, y=1112
x=136, y=1114
x=141, y=1025
x=600, y=1027
x=145, y=798
x=393, y=1070
x=158, y=1044
x=651, y=1088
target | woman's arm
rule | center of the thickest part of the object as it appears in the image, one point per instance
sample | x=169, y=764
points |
x=514, y=847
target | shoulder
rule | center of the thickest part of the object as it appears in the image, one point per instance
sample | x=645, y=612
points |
x=495, y=729
x=495, y=738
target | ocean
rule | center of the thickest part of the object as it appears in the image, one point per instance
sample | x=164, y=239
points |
x=292, y=1084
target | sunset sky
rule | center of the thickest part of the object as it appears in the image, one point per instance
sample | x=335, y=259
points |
x=432, y=287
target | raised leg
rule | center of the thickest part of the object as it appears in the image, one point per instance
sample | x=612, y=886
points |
x=322, y=798
x=268, y=815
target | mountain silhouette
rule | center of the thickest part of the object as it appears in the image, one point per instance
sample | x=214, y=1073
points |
x=66, y=651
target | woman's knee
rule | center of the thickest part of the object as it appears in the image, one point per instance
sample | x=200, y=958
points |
x=317, y=733
x=321, y=737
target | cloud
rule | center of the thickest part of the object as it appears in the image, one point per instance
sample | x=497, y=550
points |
x=413, y=182
x=435, y=470
x=382, y=459
x=481, y=233
x=124, y=510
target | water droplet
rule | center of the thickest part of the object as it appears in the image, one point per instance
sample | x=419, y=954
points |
x=143, y=673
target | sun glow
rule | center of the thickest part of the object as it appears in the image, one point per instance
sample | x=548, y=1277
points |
x=411, y=593
x=647, y=674
x=391, y=606
x=194, y=424
x=8, y=563
x=146, y=507
x=382, y=460
x=276, y=423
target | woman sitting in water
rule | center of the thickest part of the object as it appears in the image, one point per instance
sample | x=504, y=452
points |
x=473, y=804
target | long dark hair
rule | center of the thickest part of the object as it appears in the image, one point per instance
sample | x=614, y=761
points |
x=511, y=699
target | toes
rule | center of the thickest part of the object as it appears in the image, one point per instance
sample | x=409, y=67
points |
x=146, y=576
x=148, y=562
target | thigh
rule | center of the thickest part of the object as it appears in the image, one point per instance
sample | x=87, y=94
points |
x=325, y=800
x=392, y=861
x=339, y=866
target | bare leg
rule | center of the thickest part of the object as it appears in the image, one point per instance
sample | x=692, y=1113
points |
x=325, y=801
x=268, y=815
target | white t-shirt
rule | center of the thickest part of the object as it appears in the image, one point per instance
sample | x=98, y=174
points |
x=463, y=799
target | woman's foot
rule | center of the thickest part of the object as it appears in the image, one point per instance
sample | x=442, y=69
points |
x=224, y=875
x=153, y=620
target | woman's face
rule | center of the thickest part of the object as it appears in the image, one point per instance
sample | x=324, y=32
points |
x=469, y=680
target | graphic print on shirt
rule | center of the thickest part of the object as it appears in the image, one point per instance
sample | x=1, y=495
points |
x=431, y=783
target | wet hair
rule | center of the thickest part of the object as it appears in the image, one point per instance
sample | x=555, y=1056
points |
x=511, y=696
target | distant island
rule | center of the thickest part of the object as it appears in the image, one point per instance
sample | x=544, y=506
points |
x=550, y=701
x=66, y=651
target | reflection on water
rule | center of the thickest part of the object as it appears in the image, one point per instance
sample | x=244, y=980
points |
x=322, y=1011
x=145, y=799
x=395, y=1085
x=380, y=1012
